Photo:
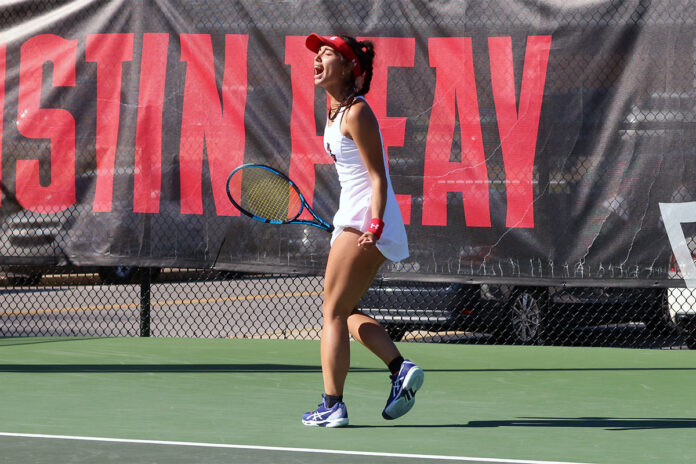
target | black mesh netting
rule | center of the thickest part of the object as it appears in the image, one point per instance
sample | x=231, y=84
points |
x=542, y=155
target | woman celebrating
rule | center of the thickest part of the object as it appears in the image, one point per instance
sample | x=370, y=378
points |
x=368, y=229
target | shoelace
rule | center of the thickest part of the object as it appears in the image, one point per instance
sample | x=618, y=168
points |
x=319, y=406
x=316, y=414
x=396, y=384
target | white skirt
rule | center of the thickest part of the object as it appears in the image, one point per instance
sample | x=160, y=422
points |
x=355, y=212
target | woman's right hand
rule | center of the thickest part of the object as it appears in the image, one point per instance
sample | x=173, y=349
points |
x=367, y=239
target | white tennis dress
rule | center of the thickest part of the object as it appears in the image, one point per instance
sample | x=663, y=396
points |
x=354, y=209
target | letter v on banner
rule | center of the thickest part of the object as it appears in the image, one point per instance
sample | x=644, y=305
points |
x=519, y=126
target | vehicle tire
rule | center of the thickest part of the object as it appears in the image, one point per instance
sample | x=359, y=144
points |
x=526, y=313
x=396, y=332
x=125, y=274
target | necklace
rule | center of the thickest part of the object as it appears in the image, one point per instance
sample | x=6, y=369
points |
x=333, y=116
x=346, y=103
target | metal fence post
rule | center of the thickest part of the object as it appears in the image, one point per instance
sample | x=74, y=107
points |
x=145, y=302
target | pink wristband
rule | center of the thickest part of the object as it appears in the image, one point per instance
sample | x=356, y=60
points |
x=376, y=227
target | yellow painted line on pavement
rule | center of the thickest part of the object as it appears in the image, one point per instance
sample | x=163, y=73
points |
x=300, y=333
x=26, y=312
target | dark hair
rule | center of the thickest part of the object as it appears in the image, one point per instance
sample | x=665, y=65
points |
x=365, y=52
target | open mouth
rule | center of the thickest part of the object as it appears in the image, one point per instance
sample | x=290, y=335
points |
x=318, y=71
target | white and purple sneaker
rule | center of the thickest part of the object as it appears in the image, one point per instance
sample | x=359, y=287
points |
x=337, y=416
x=405, y=384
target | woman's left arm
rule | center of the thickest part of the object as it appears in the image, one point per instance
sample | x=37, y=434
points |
x=363, y=128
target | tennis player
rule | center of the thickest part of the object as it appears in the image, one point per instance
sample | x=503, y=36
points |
x=368, y=230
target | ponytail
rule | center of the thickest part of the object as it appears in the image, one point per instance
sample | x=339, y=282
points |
x=365, y=52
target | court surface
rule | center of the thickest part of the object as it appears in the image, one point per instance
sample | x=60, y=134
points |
x=163, y=400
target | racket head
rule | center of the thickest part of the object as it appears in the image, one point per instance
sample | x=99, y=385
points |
x=265, y=194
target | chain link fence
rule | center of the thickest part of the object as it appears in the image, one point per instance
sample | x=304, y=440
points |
x=104, y=269
x=207, y=303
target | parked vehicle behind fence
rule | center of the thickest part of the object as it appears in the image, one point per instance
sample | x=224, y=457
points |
x=511, y=313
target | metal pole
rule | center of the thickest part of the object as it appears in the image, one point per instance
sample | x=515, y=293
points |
x=145, y=275
x=145, y=302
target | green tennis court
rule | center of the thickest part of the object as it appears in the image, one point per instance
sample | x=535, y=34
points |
x=109, y=400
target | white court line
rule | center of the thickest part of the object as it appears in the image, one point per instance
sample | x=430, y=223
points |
x=275, y=448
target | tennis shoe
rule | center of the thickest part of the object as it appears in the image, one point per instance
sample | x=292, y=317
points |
x=405, y=384
x=337, y=416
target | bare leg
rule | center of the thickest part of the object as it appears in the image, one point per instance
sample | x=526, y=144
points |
x=349, y=272
x=370, y=333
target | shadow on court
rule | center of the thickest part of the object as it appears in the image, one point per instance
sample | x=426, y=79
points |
x=608, y=423
x=275, y=368
x=17, y=341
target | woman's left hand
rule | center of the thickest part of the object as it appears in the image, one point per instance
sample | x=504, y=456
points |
x=367, y=240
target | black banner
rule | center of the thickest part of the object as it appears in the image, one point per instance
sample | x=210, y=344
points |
x=526, y=140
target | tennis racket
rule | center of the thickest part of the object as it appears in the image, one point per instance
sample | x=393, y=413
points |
x=269, y=196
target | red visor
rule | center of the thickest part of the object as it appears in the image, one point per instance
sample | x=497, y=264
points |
x=315, y=42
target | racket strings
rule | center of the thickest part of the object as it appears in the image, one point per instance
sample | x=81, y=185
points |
x=268, y=195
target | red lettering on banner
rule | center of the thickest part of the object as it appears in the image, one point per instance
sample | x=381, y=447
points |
x=206, y=122
x=307, y=149
x=2, y=103
x=109, y=51
x=518, y=128
x=455, y=88
x=147, y=180
x=56, y=124
x=393, y=52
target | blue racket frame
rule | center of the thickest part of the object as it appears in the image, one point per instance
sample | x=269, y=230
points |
x=320, y=222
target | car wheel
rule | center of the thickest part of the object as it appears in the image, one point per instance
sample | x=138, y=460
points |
x=526, y=316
